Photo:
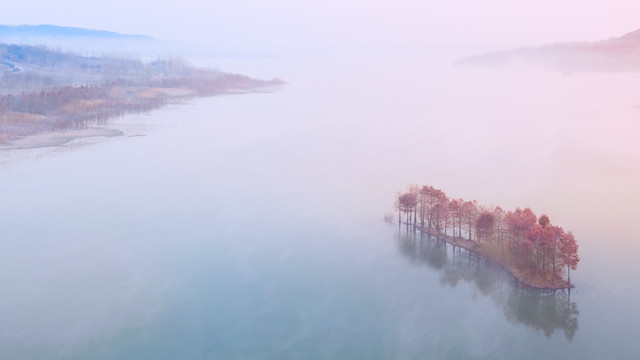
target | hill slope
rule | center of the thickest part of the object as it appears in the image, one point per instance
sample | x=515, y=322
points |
x=616, y=54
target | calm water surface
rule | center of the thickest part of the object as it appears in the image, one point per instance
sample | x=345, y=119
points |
x=250, y=226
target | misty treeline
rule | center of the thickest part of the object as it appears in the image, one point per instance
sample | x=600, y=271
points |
x=44, y=90
x=30, y=68
x=529, y=246
x=67, y=107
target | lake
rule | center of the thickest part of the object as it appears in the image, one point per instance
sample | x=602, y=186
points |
x=251, y=226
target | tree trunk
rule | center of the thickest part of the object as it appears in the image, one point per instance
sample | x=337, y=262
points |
x=554, y=266
x=501, y=241
x=445, y=229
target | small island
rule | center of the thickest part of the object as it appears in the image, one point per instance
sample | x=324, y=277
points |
x=48, y=97
x=531, y=248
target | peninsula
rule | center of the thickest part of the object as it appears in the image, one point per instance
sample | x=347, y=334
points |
x=532, y=249
x=43, y=91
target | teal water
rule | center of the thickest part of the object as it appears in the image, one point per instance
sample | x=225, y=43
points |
x=250, y=226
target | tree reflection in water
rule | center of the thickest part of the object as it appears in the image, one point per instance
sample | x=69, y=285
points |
x=545, y=310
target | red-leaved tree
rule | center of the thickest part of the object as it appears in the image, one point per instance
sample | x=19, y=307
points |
x=569, y=253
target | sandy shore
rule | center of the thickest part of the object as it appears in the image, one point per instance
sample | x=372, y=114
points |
x=56, y=138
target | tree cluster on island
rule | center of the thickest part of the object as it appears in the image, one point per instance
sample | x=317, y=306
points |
x=530, y=247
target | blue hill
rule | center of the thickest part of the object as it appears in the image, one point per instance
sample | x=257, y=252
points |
x=63, y=31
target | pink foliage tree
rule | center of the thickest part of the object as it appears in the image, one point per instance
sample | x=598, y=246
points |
x=485, y=224
x=515, y=238
x=569, y=253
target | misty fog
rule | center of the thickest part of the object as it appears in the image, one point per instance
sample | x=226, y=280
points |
x=250, y=226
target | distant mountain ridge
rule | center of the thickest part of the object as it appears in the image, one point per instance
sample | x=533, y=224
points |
x=63, y=31
x=89, y=42
x=633, y=36
x=615, y=54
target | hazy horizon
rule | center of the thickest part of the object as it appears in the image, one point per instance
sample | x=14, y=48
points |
x=408, y=23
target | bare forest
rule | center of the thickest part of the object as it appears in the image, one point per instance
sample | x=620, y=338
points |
x=45, y=90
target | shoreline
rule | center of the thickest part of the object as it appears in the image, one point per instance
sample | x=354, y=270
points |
x=35, y=118
x=56, y=138
x=474, y=247
x=147, y=99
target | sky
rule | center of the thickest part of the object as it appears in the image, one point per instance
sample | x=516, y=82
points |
x=341, y=22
